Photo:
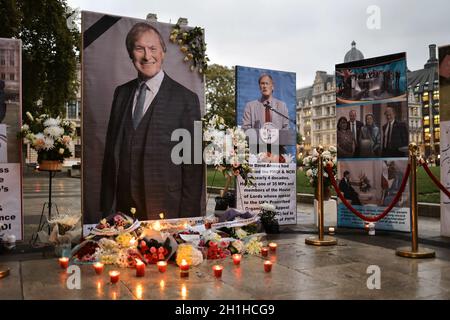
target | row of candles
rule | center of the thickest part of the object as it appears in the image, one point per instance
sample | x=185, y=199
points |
x=184, y=266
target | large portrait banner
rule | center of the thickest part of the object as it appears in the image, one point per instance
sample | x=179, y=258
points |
x=266, y=109
x=372, y=140
x=138, y=90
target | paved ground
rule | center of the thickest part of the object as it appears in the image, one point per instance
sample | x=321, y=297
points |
x=300, y=271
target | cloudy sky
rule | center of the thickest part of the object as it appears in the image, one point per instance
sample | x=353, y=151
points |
x=296, y=35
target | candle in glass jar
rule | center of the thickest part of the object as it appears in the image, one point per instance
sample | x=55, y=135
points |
x=264, y=251
x=140, y=268
x=64, y=262
x=237, y=259
x=162, y=266
x=184, y=269
x=114, y=276
x=267, y=266
x=98, y=267
x=218, y=271
x=273, y=246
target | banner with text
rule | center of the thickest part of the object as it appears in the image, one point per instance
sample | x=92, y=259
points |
x=372, y=139
x=266, y=110
x=11, y=219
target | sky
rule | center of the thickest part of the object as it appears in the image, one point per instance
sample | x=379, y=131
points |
x=299, y=36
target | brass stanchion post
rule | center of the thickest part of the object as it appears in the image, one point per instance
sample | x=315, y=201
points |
x=321, y=240
x=414, y=251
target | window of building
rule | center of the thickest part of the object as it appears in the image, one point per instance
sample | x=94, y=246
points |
x=436, y=95
x=437, y=133
x=11, y=58
x=3, y=76
x=72, y=110
x=426, y=121
x=427, y=134
x=436, y=119
x=425, y=97
x=11, y=77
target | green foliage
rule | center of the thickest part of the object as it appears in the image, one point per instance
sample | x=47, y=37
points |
x=49, y=52
x=220, y=93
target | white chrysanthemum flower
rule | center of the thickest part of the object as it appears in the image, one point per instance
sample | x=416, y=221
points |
x=268, y=207
x=39, y=141
x=49, y=143
x=52, y=122
x=288, y=158
x=332, y=149
x=53, y=131
x=25, y=127
x=309, y=173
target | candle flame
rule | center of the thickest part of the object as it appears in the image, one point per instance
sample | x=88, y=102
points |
x=161, y=215
x=184, y=262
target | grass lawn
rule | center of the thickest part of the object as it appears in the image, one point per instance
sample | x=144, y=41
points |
x=428, y=192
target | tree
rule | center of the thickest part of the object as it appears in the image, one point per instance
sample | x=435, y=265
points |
x=220, y=93
x=49, y=52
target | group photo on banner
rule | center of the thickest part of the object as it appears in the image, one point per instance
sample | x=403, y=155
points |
x=372, y=140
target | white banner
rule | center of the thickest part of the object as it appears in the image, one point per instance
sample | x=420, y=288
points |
x=10, y=201
x=274, y=183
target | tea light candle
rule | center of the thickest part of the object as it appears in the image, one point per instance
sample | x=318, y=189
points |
x=98, y=267
x=162, y=266
x=331, y=231
x=237, y=259
x=64, y=262
x=267, y=266
x=264, y=251
x=114, y=276
x=140, y=268
x=184, y=269
x=218, y=271
x=273, y=246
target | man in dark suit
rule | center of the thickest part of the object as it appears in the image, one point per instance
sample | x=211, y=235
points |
x=355, y=128
x=395, y=136
x=347, y=189
x=138, y=170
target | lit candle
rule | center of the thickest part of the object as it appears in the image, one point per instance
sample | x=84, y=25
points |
x=273, y=246
x=98, y=267
x=132, y=242
x=114, y=276
x=264, y=251
x=140, y=268
x=331, y=231
x=162, y=266
x=184, y=269
x=237, y=259
x=267, y=266
x=64, y=262
x=217, y=271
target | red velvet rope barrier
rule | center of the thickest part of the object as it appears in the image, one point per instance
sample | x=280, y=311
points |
x=432, y=177
x=356, y=212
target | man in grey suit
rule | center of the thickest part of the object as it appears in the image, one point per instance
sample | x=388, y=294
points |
x=137, y=167
x=258, y=112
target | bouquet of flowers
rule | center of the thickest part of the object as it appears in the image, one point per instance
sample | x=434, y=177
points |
x=115, y=224
x=51, y=138
x=311, y=163
x=227, y=149
x=154, y=251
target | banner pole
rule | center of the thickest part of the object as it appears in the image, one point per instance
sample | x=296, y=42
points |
x=414, y=252
x=321, y=240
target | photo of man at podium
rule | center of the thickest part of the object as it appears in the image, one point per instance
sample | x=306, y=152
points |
x=269, y=116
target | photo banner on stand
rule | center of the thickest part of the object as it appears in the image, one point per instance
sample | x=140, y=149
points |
x=444, y=111
x=137, y=90
x=266, y=110
x=372, y=140
x=11, y=215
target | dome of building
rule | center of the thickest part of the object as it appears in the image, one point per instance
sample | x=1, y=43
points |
x=354, y=54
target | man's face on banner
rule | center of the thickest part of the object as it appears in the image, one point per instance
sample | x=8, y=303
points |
x=148, y=54
x=266, y=86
